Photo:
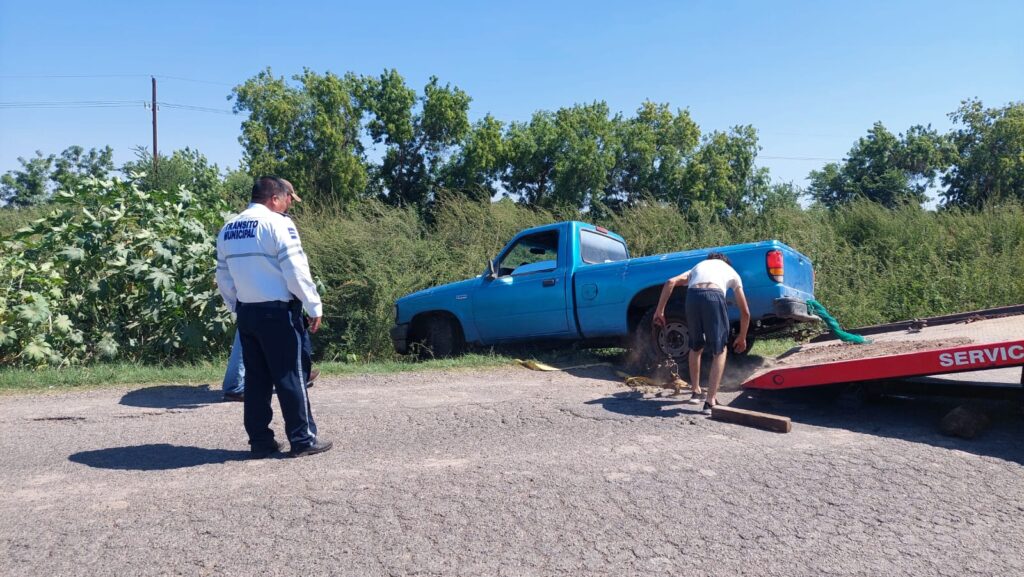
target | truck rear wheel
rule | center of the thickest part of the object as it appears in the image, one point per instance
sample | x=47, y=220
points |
x=652, y=346
x=732, y=344
x=439, y=338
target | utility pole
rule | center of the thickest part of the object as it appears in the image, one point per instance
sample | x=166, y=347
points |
x=153, y=78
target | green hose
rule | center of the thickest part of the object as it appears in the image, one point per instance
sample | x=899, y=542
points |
x=817, y=308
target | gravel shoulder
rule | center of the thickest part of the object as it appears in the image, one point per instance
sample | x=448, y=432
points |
x=504, y=472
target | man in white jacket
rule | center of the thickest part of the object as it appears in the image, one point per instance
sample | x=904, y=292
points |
x=263, y=275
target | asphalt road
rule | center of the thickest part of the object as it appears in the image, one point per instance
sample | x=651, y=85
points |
x=505, y=472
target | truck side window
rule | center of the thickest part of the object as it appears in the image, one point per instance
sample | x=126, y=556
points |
x=597, y=248
x=533, y=253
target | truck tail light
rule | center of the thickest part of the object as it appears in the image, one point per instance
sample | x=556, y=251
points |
x=774, y=261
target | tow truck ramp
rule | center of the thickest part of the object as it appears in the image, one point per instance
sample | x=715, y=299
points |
x=978, y=340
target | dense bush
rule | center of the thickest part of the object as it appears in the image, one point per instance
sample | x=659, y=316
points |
x=872, y=264
x=368, y=256
x=113, y=272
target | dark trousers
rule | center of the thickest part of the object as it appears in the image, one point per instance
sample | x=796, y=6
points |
x=707, y=319
x=272, y=337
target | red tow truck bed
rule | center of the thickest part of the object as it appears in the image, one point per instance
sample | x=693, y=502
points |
x=971, y=341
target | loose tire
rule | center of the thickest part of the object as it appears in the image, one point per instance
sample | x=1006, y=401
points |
x=653, y=346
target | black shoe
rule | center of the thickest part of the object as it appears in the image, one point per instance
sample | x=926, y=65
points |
x=707, y=409
x=234, y=397
x=317, y=447
x=313, y=374
x=264, y=451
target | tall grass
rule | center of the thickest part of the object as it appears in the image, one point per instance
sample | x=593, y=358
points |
x=872, y=264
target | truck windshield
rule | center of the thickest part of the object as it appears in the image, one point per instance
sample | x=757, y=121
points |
x=597, y=248
x=532, y=253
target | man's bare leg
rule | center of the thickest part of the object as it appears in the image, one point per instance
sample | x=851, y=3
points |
x=695, y=372
x=715, y=378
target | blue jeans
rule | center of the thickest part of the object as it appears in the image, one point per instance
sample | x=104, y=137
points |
x=234, y=377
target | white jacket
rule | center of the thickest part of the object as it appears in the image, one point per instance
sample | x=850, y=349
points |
x=260, y=258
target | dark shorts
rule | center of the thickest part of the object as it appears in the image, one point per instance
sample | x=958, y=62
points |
x=707, y=319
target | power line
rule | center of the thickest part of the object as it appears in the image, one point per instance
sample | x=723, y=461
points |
x=73, y=104
x=196, y=108
x=110, y=104
x=84, y=76
x=34, y=76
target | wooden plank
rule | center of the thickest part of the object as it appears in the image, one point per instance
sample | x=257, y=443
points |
x=751, y=419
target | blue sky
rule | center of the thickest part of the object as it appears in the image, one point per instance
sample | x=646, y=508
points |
x=812, y=77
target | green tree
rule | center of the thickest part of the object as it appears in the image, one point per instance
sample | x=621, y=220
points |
x=30, y=185
x=884, y=168
x=185, y=168
x=309, y=134
x=778, y=196
x=419, y=135
x=654, y=149
x=722, y=177
x=40, y=175
x=475, y=169
x=237, y=187
x=75, y=164
x=989, y=162
x=562, y=159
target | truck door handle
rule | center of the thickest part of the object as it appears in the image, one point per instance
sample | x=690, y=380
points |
x=549, y=282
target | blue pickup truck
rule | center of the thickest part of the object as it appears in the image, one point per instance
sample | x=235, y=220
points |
x=575, y=281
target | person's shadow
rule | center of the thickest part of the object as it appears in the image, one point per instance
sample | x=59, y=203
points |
x=172, y=397
x=634, y=404
x=158, y=457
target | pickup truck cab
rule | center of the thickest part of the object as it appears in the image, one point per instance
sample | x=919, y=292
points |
x=575, y=281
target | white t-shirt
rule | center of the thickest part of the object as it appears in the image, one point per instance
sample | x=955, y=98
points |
x=717, y=272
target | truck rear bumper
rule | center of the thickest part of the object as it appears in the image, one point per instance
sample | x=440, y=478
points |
x=793, y=308
x=400, y=338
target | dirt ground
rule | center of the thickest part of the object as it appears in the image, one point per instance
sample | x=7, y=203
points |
x=832, y=352
x=506, y=472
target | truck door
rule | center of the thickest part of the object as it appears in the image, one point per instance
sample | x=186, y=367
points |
x=529, y=297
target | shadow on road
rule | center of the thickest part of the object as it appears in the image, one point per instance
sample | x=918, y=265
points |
x=172, y=397
x=634, y=404
x=913, y=419
x=737, y=370
x=155, y=457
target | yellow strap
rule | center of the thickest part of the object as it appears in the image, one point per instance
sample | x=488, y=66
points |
x=539, y=366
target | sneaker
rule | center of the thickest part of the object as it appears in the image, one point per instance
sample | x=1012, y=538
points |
x=234, y=397
x=317, y=447
x=264, y=451
x=707, y=409
x=313, y=374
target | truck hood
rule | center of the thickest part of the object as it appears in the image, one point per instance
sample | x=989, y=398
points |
x=443, y=291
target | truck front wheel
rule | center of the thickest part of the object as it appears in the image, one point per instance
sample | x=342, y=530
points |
x=652, y=346
x=438, y=338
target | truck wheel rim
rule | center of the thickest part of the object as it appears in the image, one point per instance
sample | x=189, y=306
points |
x=674, y=340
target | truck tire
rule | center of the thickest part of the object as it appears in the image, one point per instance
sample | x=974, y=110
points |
x=440, y=338
x=653, y=346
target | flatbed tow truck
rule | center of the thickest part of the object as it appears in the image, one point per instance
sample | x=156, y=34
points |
x=898, y=352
